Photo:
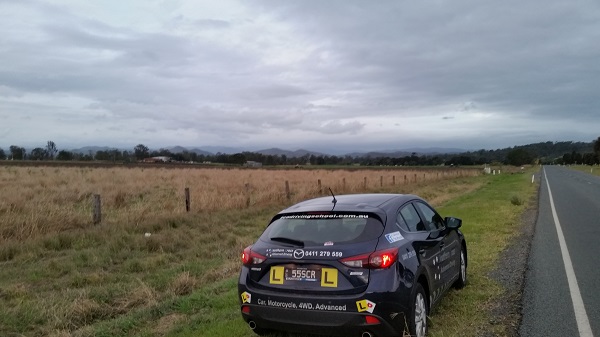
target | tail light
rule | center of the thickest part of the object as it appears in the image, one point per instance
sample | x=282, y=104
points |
x=378, y=260
x=249, y=257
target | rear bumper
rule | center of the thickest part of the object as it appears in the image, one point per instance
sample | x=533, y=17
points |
x=317, y=322
x=333, y=316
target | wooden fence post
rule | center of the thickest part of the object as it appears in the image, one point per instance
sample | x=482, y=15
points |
x=97, y=209
x=405, y=179
x=380, y=181
x=344, y=184
x=393, y=180
x=247, y=189
x=365, y=184
x=287, y=190
x=415, y=177
x=187, y=199
x=319, y=183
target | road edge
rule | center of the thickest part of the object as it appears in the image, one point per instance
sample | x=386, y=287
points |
x=510, y=274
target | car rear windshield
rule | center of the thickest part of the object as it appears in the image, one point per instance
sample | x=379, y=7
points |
x=320, y=229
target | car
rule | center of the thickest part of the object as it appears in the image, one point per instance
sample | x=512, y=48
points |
x=352, y=265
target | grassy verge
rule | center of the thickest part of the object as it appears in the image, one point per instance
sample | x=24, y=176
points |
x=181, y=280
x=490, y=216
x=595, y=170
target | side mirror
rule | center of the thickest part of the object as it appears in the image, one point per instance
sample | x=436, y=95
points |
x=453, y=223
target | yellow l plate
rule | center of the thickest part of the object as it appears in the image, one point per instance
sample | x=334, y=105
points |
x=277, y=275
x=329, y=277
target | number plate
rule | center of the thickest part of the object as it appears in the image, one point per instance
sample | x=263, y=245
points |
x=327, y=277
x=302, y=274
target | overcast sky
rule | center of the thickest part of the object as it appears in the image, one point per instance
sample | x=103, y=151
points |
x=331, y=76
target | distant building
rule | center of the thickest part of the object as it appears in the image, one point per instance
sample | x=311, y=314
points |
x=160, y=159
x=250, y=163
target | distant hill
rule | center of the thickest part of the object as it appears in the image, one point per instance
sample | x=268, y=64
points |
x=434, y=150
x=181, y=149
x=289, y=154
x=221, y=149
x=545, y=151
x=374, y=154
x=407, y=152
x=92, y=149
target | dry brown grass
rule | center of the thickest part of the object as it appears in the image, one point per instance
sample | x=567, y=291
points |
x=63, y=276
x=45, y=200
x=184, y=284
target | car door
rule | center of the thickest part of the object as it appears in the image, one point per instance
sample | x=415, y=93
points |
x=428, y=247
x=448, y=261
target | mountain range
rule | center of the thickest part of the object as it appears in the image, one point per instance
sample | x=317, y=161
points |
x=212, y=150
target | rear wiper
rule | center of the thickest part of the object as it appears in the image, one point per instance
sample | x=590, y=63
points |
x=288, y=240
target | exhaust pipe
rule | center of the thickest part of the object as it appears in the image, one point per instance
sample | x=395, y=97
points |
x=252, y=325
x=367, y=334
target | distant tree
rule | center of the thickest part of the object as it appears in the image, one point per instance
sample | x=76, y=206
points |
x=597, y=148
x=38, y=154
x=576, y=158
x=238, y=158
x=460, y=160
x=51, y=150
x=518, y=157
x=141, y=151
x=126, y=156
x=65, y=155
x=589, y=159
x=161, y=153
x=102, y=155
x=17, y=152
x=2, y=154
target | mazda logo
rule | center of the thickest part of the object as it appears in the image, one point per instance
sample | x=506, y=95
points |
x=298, y=253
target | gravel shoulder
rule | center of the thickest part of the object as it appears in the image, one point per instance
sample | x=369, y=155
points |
x=510, y=273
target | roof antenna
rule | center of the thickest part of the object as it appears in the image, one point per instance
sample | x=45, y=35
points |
x=334, y=201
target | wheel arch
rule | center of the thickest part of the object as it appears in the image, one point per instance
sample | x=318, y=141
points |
x=425, y=284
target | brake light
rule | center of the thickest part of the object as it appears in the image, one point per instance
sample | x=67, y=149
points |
x=378, y=260
x=249, y=257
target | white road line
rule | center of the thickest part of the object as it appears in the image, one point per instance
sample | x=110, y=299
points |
x=583, y=323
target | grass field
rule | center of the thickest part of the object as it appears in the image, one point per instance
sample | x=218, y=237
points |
x=595, y=170
x=62, y=276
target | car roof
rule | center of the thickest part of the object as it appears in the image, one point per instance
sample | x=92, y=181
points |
x=370, y=202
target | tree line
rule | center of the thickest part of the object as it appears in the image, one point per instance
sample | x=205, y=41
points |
x=540, y=153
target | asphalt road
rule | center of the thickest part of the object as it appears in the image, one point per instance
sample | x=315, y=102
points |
x=551, y=305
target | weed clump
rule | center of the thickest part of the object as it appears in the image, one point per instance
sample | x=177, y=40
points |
x=184, y=284
x=516, y=200
x=8, y=251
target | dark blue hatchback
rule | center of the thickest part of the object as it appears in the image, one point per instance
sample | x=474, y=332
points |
x=352, y=265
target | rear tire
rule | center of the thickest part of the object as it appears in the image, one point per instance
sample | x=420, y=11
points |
x=462, y=274
x=419, y=310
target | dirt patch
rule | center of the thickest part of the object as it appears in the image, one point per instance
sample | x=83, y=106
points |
x=510, y=273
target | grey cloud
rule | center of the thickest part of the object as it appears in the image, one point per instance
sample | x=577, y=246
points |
x=309, y=69
x=337, y=127
x=271, y=92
